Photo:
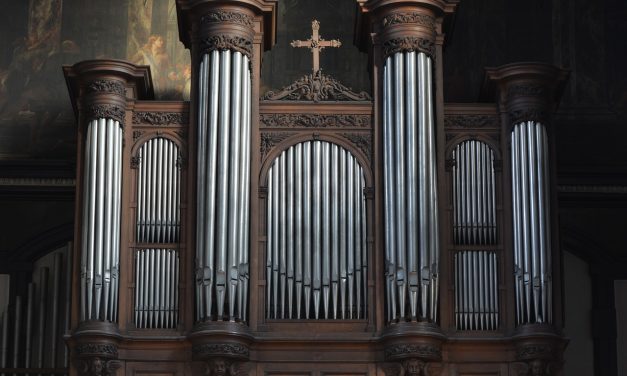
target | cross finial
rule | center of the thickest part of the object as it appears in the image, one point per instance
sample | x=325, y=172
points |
x=316, y=44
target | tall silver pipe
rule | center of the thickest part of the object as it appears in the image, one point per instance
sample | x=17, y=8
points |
x=270, y=240
x=17, y=331
x=307, y=150
x=244, y=192
x=343, y=235
x=283, y=231
x=290, y=230
x=42, y=309
x=326, y=230
x=4, y=349
x=67, y=298
x=412, y=179
x=350, y=249
x=299, y=243
x=423, y=188
x=276, y=240
x=116, y=222
x=533, y=218
x=56, y=287
x=91, y=221
x=234, y=181
x=516, y=202
x=108, y=216
x=85, y=237
x=203, y=307
x=335, y=238
x=100, y=218
x=29, y=324
x=541, y=194
x=316, y=218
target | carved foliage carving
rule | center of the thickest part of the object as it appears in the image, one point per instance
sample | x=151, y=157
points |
x=219, y=16
x=409, y=18
x=106, y=111
x=96, y=366
x=206, y=350
x=315, y=120
x=407, y=44
x=362, y=141
x=525, y=91
x=317, y=87
x=269, y=140
x=228, y=42
x=225, y=367
x=107, y=86
x=471, y=121
x=102, y=349
x=528, y=114
x=159, y=118
x=411, y=350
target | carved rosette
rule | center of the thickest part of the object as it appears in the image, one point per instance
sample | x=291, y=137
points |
x=316, y=87
x=104, y=111
x=315, y=121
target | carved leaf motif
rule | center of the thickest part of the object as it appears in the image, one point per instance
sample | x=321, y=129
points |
x=413, y=18
x=362, y=141
x=229, y=42
x=518, y=116
x=105, y=111
x=471, y=121
x=107, y=86
x=407, y=44
x=220, y=349
x=227, y=16
x=317, y=87
x=525, y=91
x=315, y=120
x=159, y=118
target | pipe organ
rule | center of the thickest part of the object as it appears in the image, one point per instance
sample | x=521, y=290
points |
x=311, y=229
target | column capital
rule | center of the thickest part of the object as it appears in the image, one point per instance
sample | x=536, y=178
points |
x=401, y=26
x=208, y=25
x=527, y=91
x=100, y=88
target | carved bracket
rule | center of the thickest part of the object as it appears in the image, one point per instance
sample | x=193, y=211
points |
x=269, y=140
x=317, y=87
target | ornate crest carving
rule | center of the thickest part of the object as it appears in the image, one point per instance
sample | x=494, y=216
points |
x=409, y=18
x=105, y=111
x=406, y=44
x=206, y=350
x=107, y=86
x=96, y=366
x=268, y=140
x=362, y=141
x=228, y=42
x=315, y=120
x=218, y=16
x=159, y=118
x=471, y=121
x=317, y=87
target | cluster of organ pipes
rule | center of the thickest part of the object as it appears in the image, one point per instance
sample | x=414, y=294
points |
x=316, y=254
x=474, y=205
x=100, y=248
x=158, y=192
x=156, y=288
x=223, y=182
x=411, y=219
x=476, y=290
x=532, y=240
x=30, y=333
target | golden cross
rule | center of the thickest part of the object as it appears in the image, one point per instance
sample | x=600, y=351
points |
x=316, y=44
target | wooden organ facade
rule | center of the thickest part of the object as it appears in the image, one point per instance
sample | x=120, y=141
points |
x=313, y=230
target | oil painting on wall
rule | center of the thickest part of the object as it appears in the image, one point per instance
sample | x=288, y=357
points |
x=37, y=37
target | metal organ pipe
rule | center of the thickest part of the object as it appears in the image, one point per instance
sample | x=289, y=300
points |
x=531, y=223
x=324, y=208
x=412, y=249
x=223, y=187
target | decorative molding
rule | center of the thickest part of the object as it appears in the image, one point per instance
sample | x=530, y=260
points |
x=98, y=349
x=407, y=44
x=534, y=351
x=107, y=86
x=536, y=367
x=315, y=121
x=220, y=16
x=361, y=141
x=226, y=367
x=409, y=18
x=471, y=121
x=37, y=182
x=316, y=87
x=220, y=349
x=228, y=42
x=159, y=118
x=528, y=114
x=105, y=111
x=413, y=351
x=598, y=189
x=269, y=140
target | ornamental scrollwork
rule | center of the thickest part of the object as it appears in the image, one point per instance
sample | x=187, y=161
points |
x=471, y=121
x=105, y=111
x=408, y=44
x=159, y=118
x=219, y=16
x=269, y=140
x=107, y=86
x=103, y=349
x=409, y=18
x=315, y=121
x=220, y=349
x=317, y=87
x=96, y=366
x=228, y=42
